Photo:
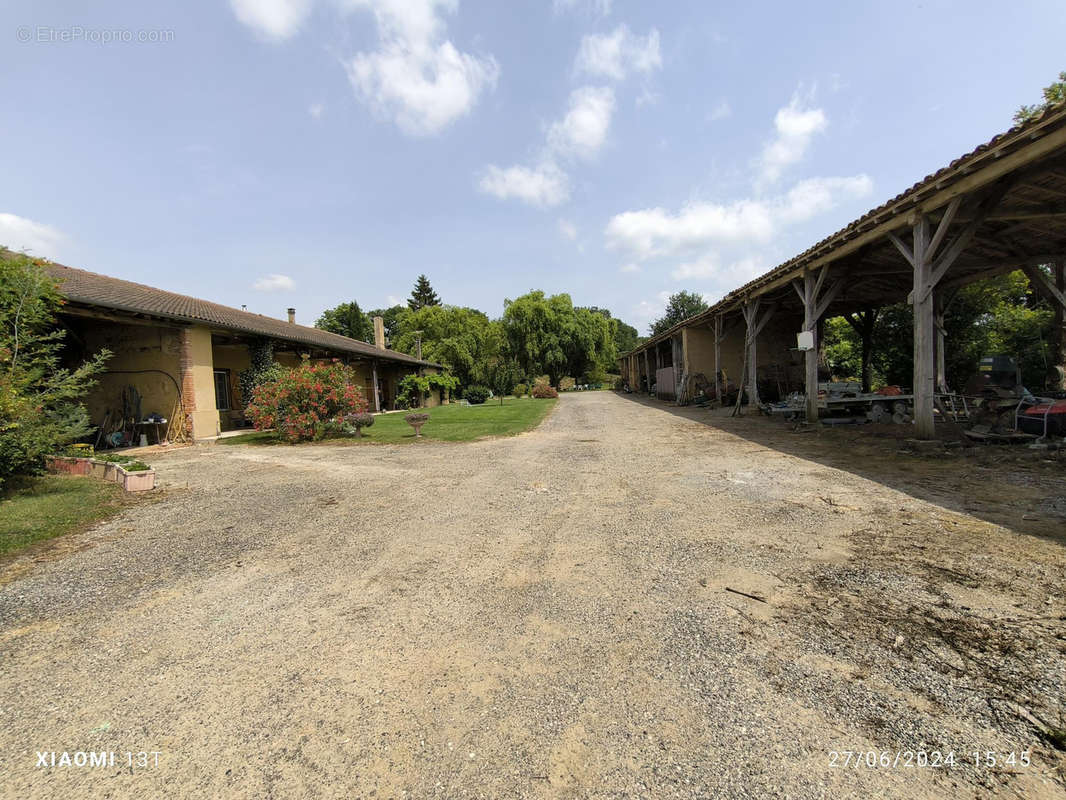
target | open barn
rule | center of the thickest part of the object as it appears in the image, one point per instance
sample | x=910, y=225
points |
x=999, y=208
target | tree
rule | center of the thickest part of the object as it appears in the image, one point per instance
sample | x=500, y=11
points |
x=547, y=335
x=1054, y=94
x=347, y=319
x=626, y=337
x=679, y=307
x=991, y=316
x=463, y=339
x=41, y=409
x=422, y=295
x=502, y=375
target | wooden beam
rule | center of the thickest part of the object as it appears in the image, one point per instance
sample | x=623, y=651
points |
x=904, y=251
x=830, y=296
x=942, y=226
x=981, y=172
x=1038, y=278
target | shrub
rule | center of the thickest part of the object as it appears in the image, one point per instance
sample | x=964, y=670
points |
x=476, y=395
x=354, y=423
x=520, y=390
x=542, y=391
x=262, y=368
x=308, y=401
x=542, y=380
x=40, y=400
x=566, y=384
x=414, y=388
x=135, y=466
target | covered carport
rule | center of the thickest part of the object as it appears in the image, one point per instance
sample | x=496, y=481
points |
x=999, y=208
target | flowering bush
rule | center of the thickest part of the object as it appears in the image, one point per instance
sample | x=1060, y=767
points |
x=520, y=390
x=307, y=402
x=543, y=391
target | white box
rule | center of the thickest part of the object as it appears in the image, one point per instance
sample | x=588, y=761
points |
x=805, y=340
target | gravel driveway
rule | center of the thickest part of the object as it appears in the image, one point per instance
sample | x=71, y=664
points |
x=540, y=616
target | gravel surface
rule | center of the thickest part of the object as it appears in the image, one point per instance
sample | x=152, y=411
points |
x=547, y=615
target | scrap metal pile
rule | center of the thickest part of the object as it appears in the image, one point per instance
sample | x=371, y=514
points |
x=995, y=405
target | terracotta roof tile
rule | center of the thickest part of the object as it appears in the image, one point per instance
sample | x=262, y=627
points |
x=92, y=289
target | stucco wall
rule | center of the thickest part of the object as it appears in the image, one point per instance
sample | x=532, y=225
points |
x=150, y=354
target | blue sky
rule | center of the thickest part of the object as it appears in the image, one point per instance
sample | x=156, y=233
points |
x=279, y=153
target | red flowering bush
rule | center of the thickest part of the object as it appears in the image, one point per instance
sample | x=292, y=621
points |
x=543, y=391
x=307, y=402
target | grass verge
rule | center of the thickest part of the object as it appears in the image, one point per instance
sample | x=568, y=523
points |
x=39, y=508
x=450, y=423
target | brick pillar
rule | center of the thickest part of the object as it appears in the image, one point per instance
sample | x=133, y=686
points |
x=188, y=384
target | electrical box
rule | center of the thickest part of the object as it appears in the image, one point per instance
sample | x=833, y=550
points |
x=805, y=340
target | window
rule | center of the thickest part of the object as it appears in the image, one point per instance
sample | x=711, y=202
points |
x=222, y=402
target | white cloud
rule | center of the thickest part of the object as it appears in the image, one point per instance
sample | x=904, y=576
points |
x=21, y=234
x=568, y=229
x=657, y=232
x=795, y=127
x=720, y=111
x=316, y=110
x=274, y=283
x=418, y=78
x=619, y=53
x=647, y=310
x=583, y=130
x=393, y=300
x=600, y=8
x=814, y=196
x=629, y=268
x=272, y=19
x=545, y=185
x=580, y=134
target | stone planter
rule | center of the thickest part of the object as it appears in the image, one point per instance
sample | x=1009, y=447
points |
x=142, y=481
x=416, y=421
x=68, y=465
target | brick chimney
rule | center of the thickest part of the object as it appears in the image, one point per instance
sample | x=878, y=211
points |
x=379, y=333
x=292, y=316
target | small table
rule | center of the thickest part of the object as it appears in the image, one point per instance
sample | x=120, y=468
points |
x=156, y=423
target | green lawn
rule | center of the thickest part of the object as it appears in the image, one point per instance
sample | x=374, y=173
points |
x=451, y=423
x=35, y=509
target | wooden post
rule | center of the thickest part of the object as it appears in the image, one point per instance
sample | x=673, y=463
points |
x=718, y=388
x=924, y=330
x=754, y=324
x=927, y=274
x=939, y=341
x=377, y=389
x=1054, y=289
x=810, y=357
x=751, y=311
x=678, y=360
x=814, y=307
x=647, y=372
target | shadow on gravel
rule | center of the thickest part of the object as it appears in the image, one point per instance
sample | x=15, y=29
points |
x=1020, y=489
